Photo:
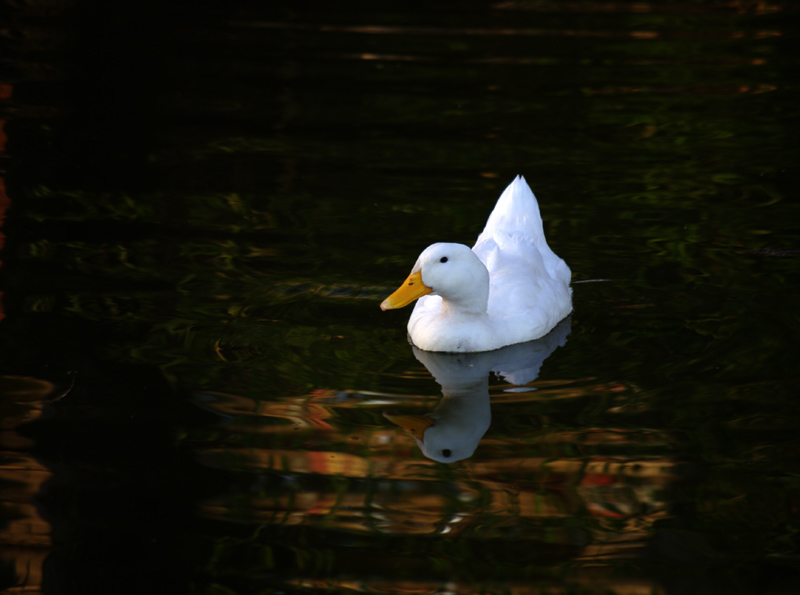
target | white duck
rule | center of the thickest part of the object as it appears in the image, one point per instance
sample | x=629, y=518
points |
x=510, y=288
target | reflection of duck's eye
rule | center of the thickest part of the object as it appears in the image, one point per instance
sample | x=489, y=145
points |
x=446, y=453
x=443, y=259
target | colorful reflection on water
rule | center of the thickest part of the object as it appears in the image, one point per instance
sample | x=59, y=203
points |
x=203, y=206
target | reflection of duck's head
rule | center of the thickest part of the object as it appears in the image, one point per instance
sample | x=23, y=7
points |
x=453, y=430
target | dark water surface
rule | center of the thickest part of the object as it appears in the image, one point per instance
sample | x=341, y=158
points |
x=204, y=204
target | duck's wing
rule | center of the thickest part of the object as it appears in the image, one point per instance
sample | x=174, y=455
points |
x=516, y=215
x=529, y=283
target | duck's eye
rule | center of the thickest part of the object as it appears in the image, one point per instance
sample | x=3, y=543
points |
x=446, y=453
x=443, y=259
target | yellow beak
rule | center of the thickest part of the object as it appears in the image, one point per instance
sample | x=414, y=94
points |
x=411, y=289
x=413, y=424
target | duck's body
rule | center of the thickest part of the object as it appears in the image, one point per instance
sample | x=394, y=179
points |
x=509, y=288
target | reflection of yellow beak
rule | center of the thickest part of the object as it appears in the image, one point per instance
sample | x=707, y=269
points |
x=413, y=424
x=412, y=289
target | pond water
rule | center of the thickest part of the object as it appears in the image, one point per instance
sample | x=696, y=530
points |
x=205, y=203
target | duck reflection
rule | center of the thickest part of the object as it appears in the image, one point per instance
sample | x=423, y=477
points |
x=453, y=430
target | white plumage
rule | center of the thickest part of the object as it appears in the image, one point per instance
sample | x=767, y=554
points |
x=509, y=288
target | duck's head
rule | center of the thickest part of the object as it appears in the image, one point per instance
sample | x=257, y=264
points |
x=452, y=271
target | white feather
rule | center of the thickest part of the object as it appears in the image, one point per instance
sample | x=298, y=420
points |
x=528, y=285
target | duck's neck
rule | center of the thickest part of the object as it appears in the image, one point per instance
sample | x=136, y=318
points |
x=469, y=303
